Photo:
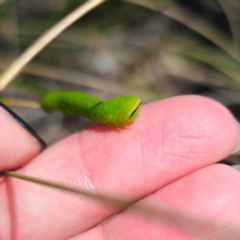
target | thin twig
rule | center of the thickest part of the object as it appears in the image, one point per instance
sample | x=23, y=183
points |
x=115, y=202
x=16, y=67
x=119, y=204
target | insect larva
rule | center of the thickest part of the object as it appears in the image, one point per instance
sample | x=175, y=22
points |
x=117, y=112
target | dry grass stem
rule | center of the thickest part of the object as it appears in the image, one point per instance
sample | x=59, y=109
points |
x=16, y=67
x=16, y=102
x=197, y=23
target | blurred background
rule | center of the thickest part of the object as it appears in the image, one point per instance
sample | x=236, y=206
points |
x=149, y=48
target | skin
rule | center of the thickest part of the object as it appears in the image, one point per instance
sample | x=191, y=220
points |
x=166, y=161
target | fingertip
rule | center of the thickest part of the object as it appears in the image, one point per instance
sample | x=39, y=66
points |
x=194, y=117
x=19, y=142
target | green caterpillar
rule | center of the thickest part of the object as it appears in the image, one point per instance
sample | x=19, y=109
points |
x=117, y=112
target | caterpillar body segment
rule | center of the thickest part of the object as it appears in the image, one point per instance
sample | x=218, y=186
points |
x=118, y=112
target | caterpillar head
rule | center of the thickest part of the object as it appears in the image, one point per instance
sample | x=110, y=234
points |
x=122, y=111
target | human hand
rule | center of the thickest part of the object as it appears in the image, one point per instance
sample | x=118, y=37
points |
x=165, y=161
